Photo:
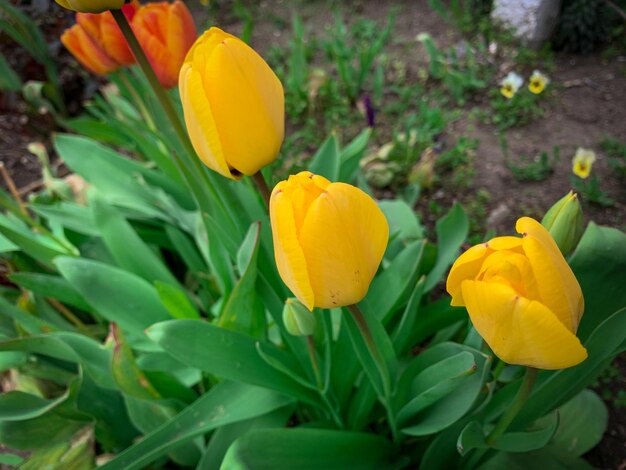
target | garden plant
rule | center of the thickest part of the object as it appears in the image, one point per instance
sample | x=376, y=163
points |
x=203, y=293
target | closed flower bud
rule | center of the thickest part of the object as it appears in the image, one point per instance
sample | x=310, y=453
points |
x=299, y=321
x=522, y=298
x=91, y=6
x=564, y=221
x=233, y=104
x=166, y=32
x=97, y=42
x=329, y=239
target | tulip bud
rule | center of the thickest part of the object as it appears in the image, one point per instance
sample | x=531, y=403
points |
x=298, y=320
x=98, y=43
x=233, y=103
x=564, y=221
x=166, y=32
x=91, y=6
x=329, y=239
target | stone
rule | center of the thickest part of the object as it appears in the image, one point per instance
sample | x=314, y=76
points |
x=531, y=20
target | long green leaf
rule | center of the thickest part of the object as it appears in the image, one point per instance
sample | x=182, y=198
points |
x=226, y=403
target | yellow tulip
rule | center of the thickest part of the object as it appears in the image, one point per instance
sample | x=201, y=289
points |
x=233, y=104
x=522, y=298
x=329, y=239
x=91, y=6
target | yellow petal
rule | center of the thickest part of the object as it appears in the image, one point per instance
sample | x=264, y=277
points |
x=467, y=266
x=556, y=283
x=519, y=330
x=290, y=260
x=199, y=121
x=247, y=102
x=343, y=237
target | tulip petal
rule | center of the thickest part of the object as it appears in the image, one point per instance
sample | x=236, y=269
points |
x=87, y=51
x=248, y=105
x=199, y=121
x=468, y=265
x=344, y=236
x=556, y=282
x=290, y=260
x=519, y=330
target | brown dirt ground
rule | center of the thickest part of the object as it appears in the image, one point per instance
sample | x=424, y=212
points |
x=588, y=103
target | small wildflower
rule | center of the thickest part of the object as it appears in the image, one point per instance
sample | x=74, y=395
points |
x=511, y=83
x=537, y=82
x=582, y=162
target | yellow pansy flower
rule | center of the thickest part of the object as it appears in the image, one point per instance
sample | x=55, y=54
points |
x=537, y=82
x=582, y=162
x=511, y=83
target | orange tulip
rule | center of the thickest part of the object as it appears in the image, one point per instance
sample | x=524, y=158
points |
x=166, y=32
x=97, y=42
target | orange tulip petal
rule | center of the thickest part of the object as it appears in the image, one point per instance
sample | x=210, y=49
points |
x=290, y=260
x=519, y=330
x=343, y=237
x=556, y=282
x=87, y=51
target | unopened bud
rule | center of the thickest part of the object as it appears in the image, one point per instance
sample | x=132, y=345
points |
x=298, y=320
x=564, y=221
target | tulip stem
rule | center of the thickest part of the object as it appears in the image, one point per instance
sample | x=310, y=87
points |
x=361, y=322
x=262, y=186
x=310, y=343
x=522, y=395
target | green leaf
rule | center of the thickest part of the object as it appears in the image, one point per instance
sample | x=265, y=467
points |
x=226, y=403
x=51, y=286
x=452, y=230
x=224, y=436
x=393, y=287
x=244, y=311
x=75, y=454
x=351, y=155
x=403, y=222
x=437, y=381
x=71, y=347
x=277, y=449
x=69, y=215
x=129, y=377
x=34, y=433
x=9, y=80
x=19, y=405
x=599, y=264
x=583, y=421
x=149, y=415
x=326, y=161
x=226, y=354
x=453, y=406
x=472, y=437
x=6, y=245
x=117, y=295
x=11, y=460
x=41, y=247
x=127, y=248
x=176, y=301
x=547, y=458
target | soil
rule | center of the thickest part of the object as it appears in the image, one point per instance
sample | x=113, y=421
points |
x=587, y=104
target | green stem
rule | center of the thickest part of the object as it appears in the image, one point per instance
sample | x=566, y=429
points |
x=522, y=395
x=310, y=343
x=380, y=363
x=262, y=186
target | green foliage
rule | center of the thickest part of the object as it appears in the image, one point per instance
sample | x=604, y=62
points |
x=591, y=191
x=536, y=169
x=615, y=152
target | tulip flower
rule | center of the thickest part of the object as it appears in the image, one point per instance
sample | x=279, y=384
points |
x=165, y=31
x=537, y=82
x=91, y=6
x=582, y=162
x=329, y=239
x=233, y=103
x=522, y=298
x=97, y=42
x=565, y=222
x=511, y=83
